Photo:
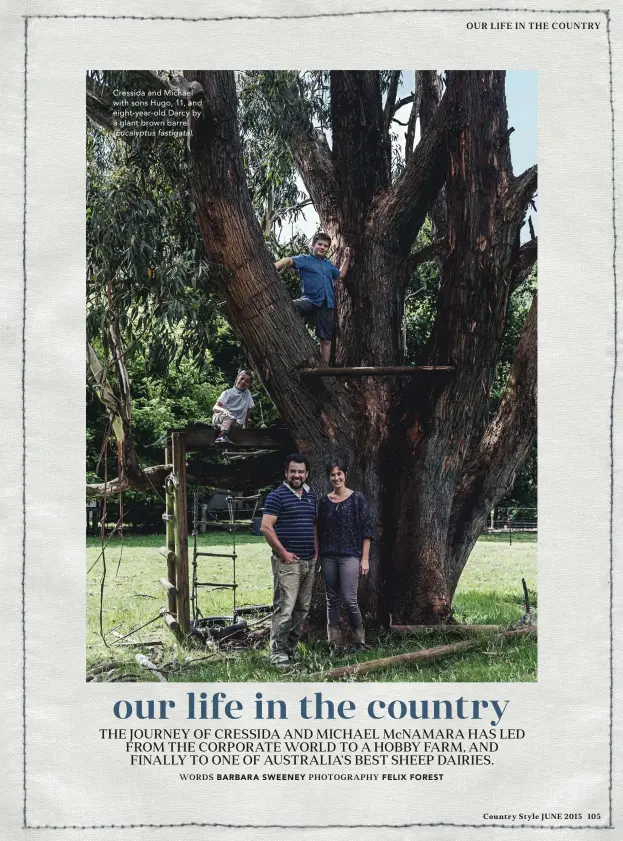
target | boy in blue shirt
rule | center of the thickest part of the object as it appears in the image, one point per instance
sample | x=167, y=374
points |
x=317, y=276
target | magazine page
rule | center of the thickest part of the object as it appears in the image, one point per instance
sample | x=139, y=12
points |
x=303, y=563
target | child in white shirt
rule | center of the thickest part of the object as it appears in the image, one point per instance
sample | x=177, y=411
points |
x=232, y=408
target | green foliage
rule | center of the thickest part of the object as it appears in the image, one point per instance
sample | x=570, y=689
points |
x=420, y=300
x=269, y=166
x=145, y=263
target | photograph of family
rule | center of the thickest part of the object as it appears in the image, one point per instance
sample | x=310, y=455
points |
x=311, y=375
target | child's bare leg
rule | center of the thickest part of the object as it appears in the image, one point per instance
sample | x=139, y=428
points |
x=325, y=349
x=226, y=424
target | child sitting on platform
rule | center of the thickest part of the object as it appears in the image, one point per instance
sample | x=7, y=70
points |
x=232, y=408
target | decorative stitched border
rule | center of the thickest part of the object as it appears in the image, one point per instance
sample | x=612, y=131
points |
x=311, y=16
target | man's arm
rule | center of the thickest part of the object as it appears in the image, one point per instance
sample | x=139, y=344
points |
x=267, y=528
x=345, y=263
x=284, y=263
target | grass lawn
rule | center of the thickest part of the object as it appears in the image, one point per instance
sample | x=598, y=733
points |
x=490, y=592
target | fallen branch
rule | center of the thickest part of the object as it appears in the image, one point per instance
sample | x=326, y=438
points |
x=139, y=644
x=447, y=629
x=424, y=656
x=528, y=631
x=146, y=663
x=107, y=666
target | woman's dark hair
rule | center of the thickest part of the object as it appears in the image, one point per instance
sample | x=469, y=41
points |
x=339, y=463
x=299, y=458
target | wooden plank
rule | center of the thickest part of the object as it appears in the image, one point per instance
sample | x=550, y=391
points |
x=200, y=437
x=382, y=371
x=170, y=533
x=170, y=588
x=172, y=623
x=178, y=444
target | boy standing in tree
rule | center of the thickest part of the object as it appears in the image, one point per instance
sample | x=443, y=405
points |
x=233, y=407
x=317, y=276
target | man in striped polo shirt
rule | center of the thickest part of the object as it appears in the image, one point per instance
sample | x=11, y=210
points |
x=289, y=526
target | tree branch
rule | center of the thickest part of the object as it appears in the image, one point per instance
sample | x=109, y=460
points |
x=430, y=99
x=426, y=255
x=98, y=106
x=490, y=473
x=402, y=102
x=283, y=210
x=259, y=306
x=521, y=192
x=526, y=258
x=415, y=110
x=171, y=81
x=408, y=201
x=150, y=478
x=361, y=146
x=390, y=103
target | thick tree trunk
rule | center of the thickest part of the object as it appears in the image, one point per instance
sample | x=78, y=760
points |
x=407, y=441
x=441, y=435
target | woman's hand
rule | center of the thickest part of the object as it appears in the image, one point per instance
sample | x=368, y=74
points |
x=364, y=566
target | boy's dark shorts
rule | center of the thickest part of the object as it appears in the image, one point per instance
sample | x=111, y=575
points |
x=324, y=317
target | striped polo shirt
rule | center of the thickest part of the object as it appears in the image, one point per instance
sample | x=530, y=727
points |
x=296, y=516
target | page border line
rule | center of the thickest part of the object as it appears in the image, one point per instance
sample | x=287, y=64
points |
x=312, y=16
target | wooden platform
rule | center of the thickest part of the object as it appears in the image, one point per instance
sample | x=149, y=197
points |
x=203, y=437
x=386, y=371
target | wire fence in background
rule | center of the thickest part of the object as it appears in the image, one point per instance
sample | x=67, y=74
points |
x=512, y=520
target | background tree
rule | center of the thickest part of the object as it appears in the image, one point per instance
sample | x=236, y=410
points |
x=426, y=450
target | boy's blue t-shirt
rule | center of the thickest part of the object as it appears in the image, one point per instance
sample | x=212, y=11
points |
x=317, y=278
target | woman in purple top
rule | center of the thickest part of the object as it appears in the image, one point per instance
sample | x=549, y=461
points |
x=344, y=535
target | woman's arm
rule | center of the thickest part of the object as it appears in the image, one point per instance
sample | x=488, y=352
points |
x=364, y=564
x=365, y=530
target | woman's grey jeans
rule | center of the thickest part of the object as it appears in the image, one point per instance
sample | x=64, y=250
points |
x=341, y=576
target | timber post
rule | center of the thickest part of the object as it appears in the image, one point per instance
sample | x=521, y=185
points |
x=170, y=533
x=180, y=525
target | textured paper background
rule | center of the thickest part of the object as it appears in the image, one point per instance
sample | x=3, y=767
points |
x=72, y=778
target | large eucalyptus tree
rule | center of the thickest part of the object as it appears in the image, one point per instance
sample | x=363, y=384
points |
x=425, y=449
